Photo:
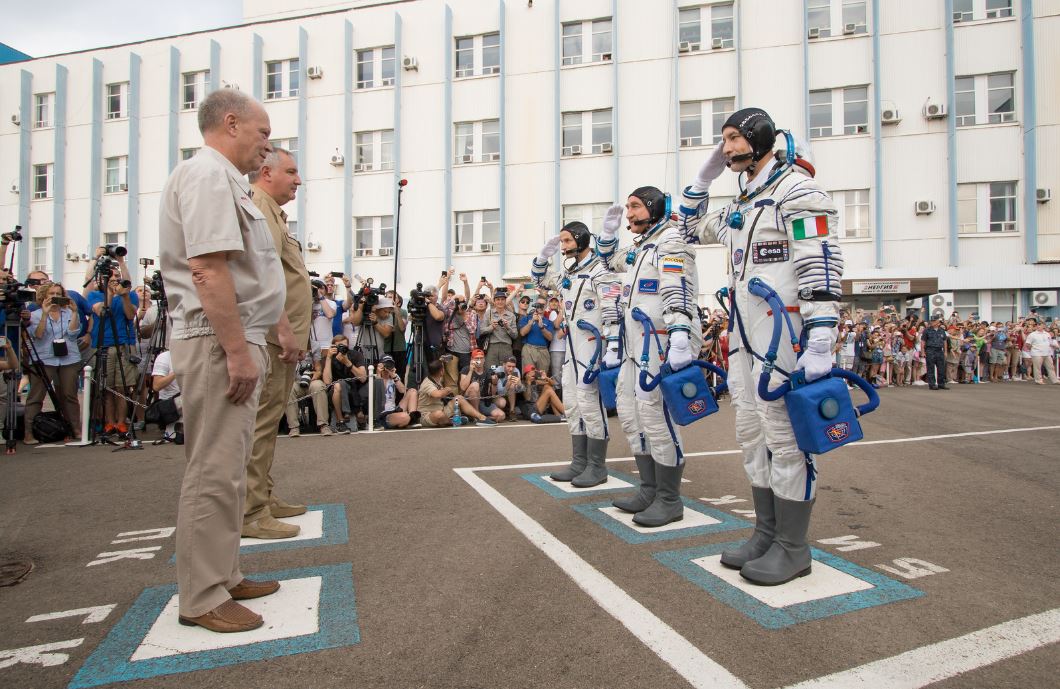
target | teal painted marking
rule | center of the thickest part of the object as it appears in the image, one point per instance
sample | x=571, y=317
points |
x=110, y=661
x=726, y=522
x=884, y=589
x=549, y=486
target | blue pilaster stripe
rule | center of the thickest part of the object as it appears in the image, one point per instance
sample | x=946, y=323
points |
x=557, y=143
x=503, y=210
x=256, y=51
x=59, y=175
x=95, y=158
x=132, y=238
x=175, y=102
x=1030, y=132
x=877, y=138
x=303, y=144
x=616, y=189
x=447, y=127
x=806, y=68
x=347, y=151
x=25, y=166
x=674, y=71
x=951, y=139
x=215, y=66
x=738, y=18
x=398, y=77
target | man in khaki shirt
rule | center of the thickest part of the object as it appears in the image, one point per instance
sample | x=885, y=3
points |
x=226, y=291
x=273, y=186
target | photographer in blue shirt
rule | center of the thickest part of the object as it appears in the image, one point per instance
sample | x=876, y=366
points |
x=537, y=332
x=116, y=331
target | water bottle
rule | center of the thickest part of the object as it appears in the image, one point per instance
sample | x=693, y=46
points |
x=458, y=420
x=535, y=417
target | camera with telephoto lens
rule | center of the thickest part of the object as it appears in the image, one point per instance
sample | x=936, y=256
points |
x=115, y=250
x=368, y=295
x=342, y=349
x=497, y=370
x=157, y=286
x=15, y=296
x=417, y=304
x=14, y=235
x=106, y=267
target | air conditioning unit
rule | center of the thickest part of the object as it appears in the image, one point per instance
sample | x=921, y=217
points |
x=687, y=141
x=914, y=303
x=386, y=251
x=14, y=187
x=488, y=248
x=1043, y=297
x=230, y=85
x=575, y=150
x=1042, y=194
x=889, y=113
x=924, y=207
x=494, y=156
x=684, y=47
x=606, y=57
x=337, y=159
x=716, y=43
x=359, y=167
x=849, y=29
x=123, y=187
x=467, y=158
x=814, y=33
x=958, y=17
x=606, y=148
x=314, y=72
x=73, y=256
x=933, y=110
x=410, y=63
x=942, y=300
x=16, y=120
x=312, y=245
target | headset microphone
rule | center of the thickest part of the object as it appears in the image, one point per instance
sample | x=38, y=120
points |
x=739, y=159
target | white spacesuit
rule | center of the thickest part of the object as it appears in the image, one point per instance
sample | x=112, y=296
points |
x=659, y=280
x=590, y=294
x=781, y=229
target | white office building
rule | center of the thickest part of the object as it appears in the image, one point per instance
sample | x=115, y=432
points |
x=932, y=122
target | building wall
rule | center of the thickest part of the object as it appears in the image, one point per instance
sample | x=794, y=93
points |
x=643, y=85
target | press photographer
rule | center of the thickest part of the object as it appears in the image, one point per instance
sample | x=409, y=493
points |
x=308, y=380
x=373, y=314
x=398, y=404
x=499, y=329
x=321, y=326
x=53, y=329
x=479, y=384
x=113, y=329
x=346, y=368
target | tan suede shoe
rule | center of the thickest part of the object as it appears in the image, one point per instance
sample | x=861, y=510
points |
x=248, y=588
x=226, y=618
x=280, y=509
x=269, y=527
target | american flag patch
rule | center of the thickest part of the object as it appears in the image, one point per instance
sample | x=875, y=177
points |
x=613, y=291
x=672, y=264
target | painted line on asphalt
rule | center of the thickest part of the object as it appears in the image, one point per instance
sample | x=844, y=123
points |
x=936, y=662
x=676, y=651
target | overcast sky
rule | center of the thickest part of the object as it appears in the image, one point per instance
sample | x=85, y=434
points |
x=47, y=27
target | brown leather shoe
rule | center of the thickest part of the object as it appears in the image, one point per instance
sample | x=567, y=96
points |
x=226, y=618
x=268, y=527
x=280, y=508
x=248, y=588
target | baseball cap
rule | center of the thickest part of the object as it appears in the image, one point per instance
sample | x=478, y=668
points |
x=478, y=354
x=528, y=368
x=849, y=323
x=384, y=303
x=386, y=360
x=510, y=360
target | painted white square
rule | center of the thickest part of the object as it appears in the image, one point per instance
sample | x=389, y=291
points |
x=311, y=523
x=610, y=483
x=691, y=520
x=292, y=611
x=822, y=582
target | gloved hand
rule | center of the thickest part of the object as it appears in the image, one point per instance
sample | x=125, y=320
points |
x=711, y=170
x=611, y=358
x=679, y=354
x=612, y=221
x=818, y=360
x=548, y=250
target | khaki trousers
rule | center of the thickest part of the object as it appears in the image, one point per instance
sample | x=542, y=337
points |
x=271, y=406
x=1042, y=367
x=218, y=439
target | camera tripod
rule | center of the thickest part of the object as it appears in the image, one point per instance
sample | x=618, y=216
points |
x=106, y=316
x=416, y=368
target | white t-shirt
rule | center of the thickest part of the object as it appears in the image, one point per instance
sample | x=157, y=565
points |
x=1040, y=343
x=163, y=367
x=558, y=344
x=389, y=396
x=320, y=329
x=848, y=345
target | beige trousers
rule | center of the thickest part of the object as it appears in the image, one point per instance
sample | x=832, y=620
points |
x=271, y=406
x=1042, y=366
x=218, y=439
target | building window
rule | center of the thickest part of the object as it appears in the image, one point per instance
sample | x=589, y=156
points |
x=195, y=85
x=42, y=181
x=599, y=41
x=42, y=110
x=986, y=207
x=836, y=18
x=592, y=214
x=375, y=150
x=292, y=227
x=42, y=250
x=968, y=10
x=486, y=48
x=477, y=231
x=591, y=125
x=854, y=16
x=115, y=177
x=117, y=101
x=1003, y=305
x=845, y=109
x=985, y=99
x=491, y=140
x=281, y=79
x=118, y=237
x=695, y=113
x=188, y=153
x=372, y=62
x=819, y=17
x=699, y=28
x=476, y=142
x=998, y=9
x=962, y=11
x=374, y=236
x=854, y=213
x=966, y=303
x=286, y=144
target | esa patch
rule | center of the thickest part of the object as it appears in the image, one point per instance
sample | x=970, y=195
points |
x=672, y=264
x=737, y=257
x=648, y=286
x=588, y=304
x=769, y=252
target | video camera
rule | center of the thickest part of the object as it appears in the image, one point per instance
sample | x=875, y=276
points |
x=368, y=295
x=107, y=264
x=15, y=296
x=14, y=235
x=318, y=288
x=157, y=286
x=417, y=304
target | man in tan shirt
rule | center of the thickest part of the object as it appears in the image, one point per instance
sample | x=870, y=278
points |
x=273, y=186
x=225, y=287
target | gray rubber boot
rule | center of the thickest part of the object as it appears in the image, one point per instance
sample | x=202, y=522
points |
x=667, y=506
x=646, y=494
x=789, y=556
x=580, y=444
x=596, y=470
x=765, y=526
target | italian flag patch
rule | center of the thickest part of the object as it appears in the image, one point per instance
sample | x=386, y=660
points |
x=807, y=228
